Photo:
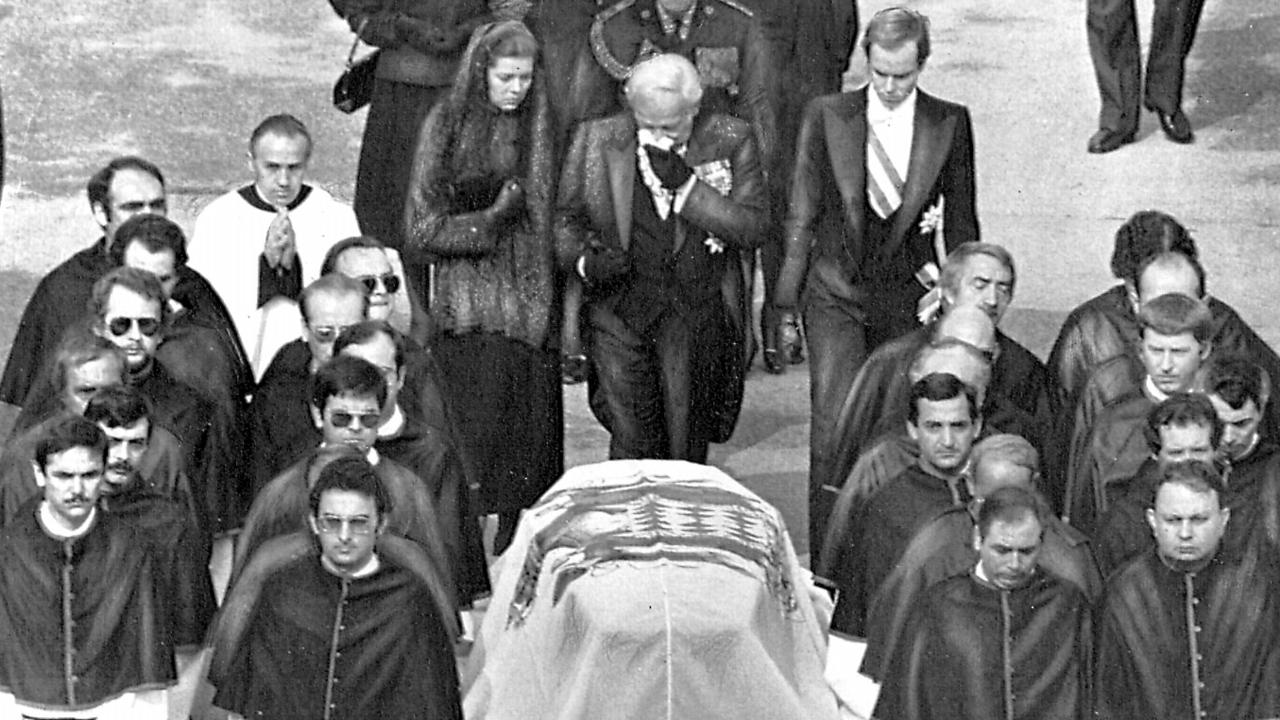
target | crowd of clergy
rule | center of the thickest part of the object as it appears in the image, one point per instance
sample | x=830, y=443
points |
x=253, y=466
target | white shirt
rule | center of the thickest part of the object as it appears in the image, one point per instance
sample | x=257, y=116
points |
x=895, y=127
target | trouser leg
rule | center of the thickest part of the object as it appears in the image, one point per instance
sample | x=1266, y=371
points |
x=630, y=385
x=1173, y=31
x=1113, y=46
x=837, y=348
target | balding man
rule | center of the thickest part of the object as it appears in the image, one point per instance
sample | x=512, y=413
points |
x=1003, y=638
x=125, y=187
x=260, y=244
x=280, y=417
x=942, y=548
x=654, y=205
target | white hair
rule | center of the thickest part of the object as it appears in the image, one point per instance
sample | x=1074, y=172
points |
x=667, y=74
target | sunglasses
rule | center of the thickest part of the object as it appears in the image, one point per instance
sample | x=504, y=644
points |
x=341, y=419
x=332, y=525
x=328, y=333
x=389, y=281
x=120, y=326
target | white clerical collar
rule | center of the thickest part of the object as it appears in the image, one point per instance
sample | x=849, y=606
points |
x=393, y=425
x=56, y=529
x=1154, y=392
x=980, y=573
x=878, y=113
x=365, y=570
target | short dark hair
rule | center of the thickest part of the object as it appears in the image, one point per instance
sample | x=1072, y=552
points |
x=958, y=259
x=359, y=241
x=352, y=473
x=66, y=432
x=282, y=124
x=1196, y=475
x=893, y=27
x=1175, y=314
x=79, y=345
x=1171, y=260
x=937, y=387
x=330, y=283
x=1181, y=410
x=117, y=406
x=347, y=375
x=1011, y=503
x=361, y=333
x=1148, y=233
x=99, y=186
x=133, y=279
x=153, y=232
x=1236, y=379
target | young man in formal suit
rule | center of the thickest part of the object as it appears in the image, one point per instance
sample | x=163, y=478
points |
x=875, y=170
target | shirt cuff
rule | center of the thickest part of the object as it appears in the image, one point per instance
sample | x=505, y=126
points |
x=683, y=193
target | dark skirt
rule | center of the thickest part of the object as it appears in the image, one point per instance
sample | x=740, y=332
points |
x=507, y=400
x=396, y=114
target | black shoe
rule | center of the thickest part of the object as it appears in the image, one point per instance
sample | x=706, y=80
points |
x=1104, y=141
x=773, y=362
x=1175, y=125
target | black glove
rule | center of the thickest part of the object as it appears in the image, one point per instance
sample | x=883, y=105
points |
x=670, y=168
x=603, y=264
x=509, y=202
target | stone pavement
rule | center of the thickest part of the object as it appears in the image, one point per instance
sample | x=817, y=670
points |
x=183, y=81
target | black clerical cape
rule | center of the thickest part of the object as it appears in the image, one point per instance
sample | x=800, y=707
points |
x=301, y=643
x=60, y=300
x=976, y=652
x=880, y=529
x=82, y=620
x=1175, y=645
x=942, y=549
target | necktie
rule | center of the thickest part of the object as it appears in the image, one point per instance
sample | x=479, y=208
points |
x=884, y=183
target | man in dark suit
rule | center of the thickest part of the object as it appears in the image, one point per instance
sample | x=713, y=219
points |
x=874, y=168
x=653, y=205
x=1117, y=63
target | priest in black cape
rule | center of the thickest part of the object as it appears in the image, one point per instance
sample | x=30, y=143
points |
x=943, y=548
x=944, y=421
x=362, y=628
x=125, y=187
x=416, y=432
x=81, y=610
x=1004, y=638
x=280, y=422
x=1189, y=629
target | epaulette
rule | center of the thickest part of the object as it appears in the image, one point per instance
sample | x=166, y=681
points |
x=617, y=69
x=736, y=6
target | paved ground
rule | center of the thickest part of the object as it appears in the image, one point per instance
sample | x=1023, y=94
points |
x=183, y=81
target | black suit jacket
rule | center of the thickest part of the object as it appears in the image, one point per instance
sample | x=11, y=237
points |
x=827, y=212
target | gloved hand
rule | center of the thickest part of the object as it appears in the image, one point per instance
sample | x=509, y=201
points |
x=509, y=202
x=603, y=264
x=424, y=36
x=670, y=168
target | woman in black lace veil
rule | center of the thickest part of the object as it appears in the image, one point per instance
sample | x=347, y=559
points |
x=479, y=211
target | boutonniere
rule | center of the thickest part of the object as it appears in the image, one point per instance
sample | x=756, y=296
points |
x=931, y=224
x=718, y=174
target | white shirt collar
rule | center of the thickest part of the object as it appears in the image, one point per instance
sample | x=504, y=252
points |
x=55, y=528
x=878, y=113
x=366, y=570
x=1154, y=392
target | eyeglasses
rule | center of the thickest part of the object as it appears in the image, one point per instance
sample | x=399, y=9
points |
x=120, y=326
x=342, y=419
x=332, y=525
x=389, y=281
x=328, y=333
